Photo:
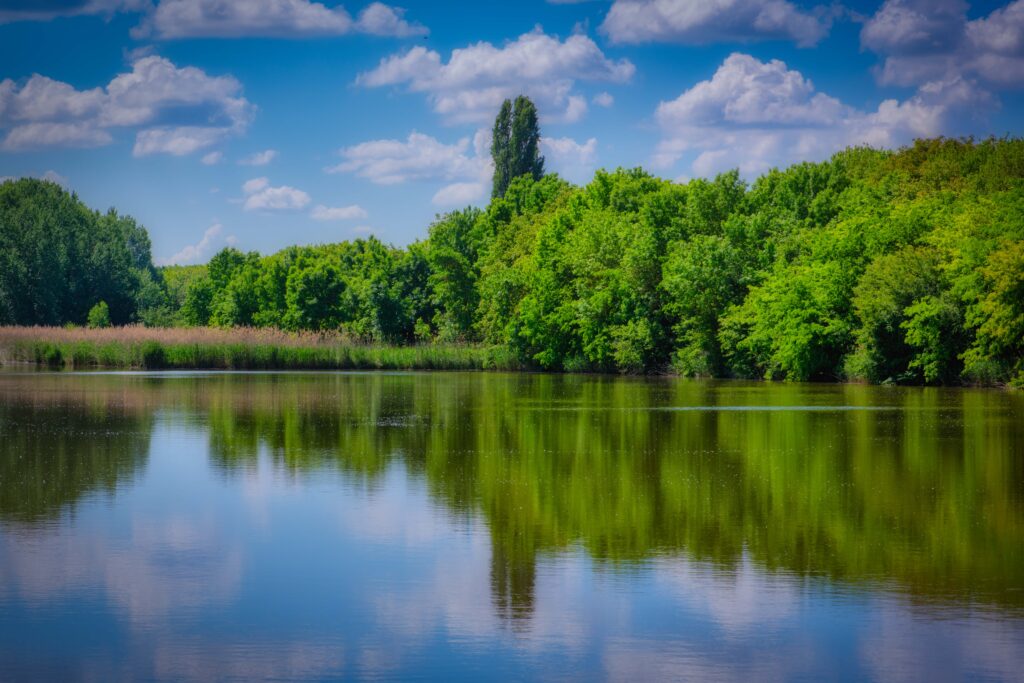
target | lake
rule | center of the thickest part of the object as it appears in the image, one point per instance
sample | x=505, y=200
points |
x=460, y=526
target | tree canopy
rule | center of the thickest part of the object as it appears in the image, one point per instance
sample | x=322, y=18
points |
x=901, y=266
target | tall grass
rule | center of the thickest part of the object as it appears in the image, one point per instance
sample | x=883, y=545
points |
x=239, y=348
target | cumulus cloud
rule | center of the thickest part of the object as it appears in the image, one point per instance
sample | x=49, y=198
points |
x=472, y=84
x=261, y=196
x=173, y=19
x=42, y=98
x=259, y=158
x=194, y=253
x=603, y=99
x=928, y=40
x=465, y=166
x=177, y=110
x=747, y=91
x=337, y=213
x=460, y=194
x=701, y=21
x=383, y=20
x=176, y=141
x=753, y=115
x=569, y=158
x=418, y=157
x=213, y=158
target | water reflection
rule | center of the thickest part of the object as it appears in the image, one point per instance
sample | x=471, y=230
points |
x=55, y=451
x=477, y=517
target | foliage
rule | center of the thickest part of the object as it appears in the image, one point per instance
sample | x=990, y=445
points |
x=515, y=144
x=99, y=315
x=58, y=258
x=898, y=266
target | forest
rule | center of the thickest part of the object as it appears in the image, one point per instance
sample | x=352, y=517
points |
x=902, y=266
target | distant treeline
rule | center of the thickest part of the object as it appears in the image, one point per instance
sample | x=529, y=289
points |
x=903, y=266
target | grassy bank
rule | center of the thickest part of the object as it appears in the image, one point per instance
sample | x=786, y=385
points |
x=233, y=349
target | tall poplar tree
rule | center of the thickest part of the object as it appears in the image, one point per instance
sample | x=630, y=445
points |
x=515, y=146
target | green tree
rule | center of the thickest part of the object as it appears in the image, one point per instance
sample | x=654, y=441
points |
x=195, y=309
x=515, y=144
x=906, y=320
x=58, y=257
x=314, y=295
x=452, y=257
x=1000, y=314
x=99, y=315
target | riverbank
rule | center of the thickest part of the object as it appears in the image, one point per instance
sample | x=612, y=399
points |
x=136, y=347
x=233, y=349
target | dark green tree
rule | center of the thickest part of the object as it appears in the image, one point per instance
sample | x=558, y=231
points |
x=515, y=145
x=58, y=258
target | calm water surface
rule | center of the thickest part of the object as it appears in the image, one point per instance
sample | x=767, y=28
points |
x=485, y=526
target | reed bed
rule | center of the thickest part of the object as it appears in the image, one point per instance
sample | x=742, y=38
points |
x=233, y=349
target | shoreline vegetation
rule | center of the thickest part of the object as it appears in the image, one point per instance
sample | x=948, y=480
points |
x=149, y=348
x=136, y=347
x=881, y=266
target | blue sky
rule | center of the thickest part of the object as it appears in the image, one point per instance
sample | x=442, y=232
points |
x=266, y=123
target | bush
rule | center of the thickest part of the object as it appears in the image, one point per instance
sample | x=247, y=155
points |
x=99, y=316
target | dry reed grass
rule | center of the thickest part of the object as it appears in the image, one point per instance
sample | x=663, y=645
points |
x=137, y=334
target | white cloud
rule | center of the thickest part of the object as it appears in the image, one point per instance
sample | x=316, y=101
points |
x=337, y=213
x=927, y=40
x=269, y=18
x=568, y=149
x=255, y=185
x=569, y=158
x=379, y=19
x=603, y=99
x=753, y=115
x=472, y=84
x=465, y=166
x=460, y=194
x=187, y=109
x=175, y=141
x=195, y=253
x=261, y=196
x=213, y=158
x=42, y=98
x=704, y=21
x=259, y=158
x=914, y=26
x=745, y=90
x=34, y=135
x=42, y=12
x=419, y=157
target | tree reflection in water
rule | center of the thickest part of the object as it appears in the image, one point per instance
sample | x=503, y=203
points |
x=920, y=491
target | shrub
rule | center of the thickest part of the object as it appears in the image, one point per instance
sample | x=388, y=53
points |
x=99, y=316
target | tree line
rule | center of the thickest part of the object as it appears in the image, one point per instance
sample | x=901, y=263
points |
x=899, y=266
